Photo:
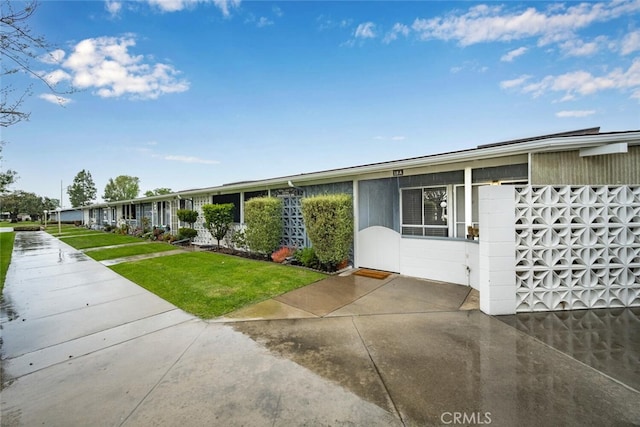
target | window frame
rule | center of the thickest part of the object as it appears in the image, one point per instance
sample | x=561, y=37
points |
x=424, y=227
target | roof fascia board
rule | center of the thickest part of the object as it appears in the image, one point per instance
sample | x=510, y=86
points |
x=565, y=143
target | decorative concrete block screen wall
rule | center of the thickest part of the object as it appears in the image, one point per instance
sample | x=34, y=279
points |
x=570, y=248
x=577, y=247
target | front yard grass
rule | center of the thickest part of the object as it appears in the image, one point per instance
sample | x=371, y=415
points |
x=125, y=251
x=70, y=231
x=208, y=284
x=6, y=249
x=99, y=239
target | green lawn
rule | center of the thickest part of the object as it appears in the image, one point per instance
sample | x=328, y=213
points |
x=209, y=284
x=113, y=253
x=99, y=239
x=71, y=231
x=6, y=248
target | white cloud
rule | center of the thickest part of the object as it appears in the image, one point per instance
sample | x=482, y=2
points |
x=106, y=65
x=113, y=7
x=55, y=77
x=583, y=83
x=54, y=57
x=510, y=84
x=575, y=113
x=484, y=23
x=264, y=22
x=576, y=47
x=177, y=5
x=472, y=66
x=190, y=159
x=55, y=99
x=277, y=11
x=630, y=43
x=398, y=29
x=513, y=54
x=365, y=30
x=328, y=23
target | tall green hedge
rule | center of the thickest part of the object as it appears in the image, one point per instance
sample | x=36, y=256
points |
x=328, y=220
x=263, y=218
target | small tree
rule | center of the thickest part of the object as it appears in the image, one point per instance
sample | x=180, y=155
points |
x=157, y=192
x=263, y=217
x=123, y=187
x=83, y=190
x=329, y=223
x=188, y=216
x=218, y=219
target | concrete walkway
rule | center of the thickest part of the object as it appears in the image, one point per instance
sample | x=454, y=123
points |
x=84, y=346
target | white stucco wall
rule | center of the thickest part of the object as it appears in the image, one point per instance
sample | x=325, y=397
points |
x=446, y=260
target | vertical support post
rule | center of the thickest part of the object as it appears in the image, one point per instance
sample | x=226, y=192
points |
x=355, y=222
x=468, y=199
x=497, y=249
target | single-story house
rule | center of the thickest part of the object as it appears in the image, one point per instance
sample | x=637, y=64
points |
x=66, y=215
x=513, y=219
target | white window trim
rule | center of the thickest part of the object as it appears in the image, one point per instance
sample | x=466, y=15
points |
x=449, y=226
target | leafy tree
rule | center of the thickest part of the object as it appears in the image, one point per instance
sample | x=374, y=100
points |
x=188, y=216
x=123, y=187
x=158, y=192
x=263, y=216
x=83, y=190
x=329, y=224
x=6, y=178
x=22, y=202
x=18, y=47
x=218, y=219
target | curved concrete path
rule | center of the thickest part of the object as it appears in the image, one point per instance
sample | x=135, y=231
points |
x=84, y=346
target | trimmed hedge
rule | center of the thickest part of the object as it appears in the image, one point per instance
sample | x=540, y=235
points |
x=188, y=216
x=27, y=228
x=263, y=217
x=187, y=233
x=329, y=223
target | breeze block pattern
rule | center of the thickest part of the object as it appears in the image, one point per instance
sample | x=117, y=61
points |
x=577, y=247
x=294, y=234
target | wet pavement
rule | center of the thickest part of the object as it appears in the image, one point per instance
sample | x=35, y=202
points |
x=84, y=346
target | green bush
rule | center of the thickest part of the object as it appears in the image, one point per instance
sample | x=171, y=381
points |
x=27, y=228
x=188, y=216
x=329, y=223
x=218, y=219
x=263, y=217
x=187, y=233
x=307, y=257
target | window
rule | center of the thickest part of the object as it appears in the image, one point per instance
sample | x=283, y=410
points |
x=424, y=212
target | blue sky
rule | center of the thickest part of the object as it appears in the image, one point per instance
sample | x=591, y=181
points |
x=187, y=94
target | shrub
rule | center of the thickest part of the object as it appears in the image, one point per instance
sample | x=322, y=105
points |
x=239, y=239
x=188, y=216
x=27, y=228
x=187, y=233
x=281, y=254
x=107, y=228
x=329, y=223
x=307, y=257
x=218, y=219
x=263, y=217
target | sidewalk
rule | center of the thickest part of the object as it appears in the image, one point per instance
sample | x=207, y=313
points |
x=84, y=346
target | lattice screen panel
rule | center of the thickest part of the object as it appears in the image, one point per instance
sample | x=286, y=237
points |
x=293, y=233
x=203, y=237
x=577, y=247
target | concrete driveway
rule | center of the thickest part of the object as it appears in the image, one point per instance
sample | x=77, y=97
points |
x=84, y=346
